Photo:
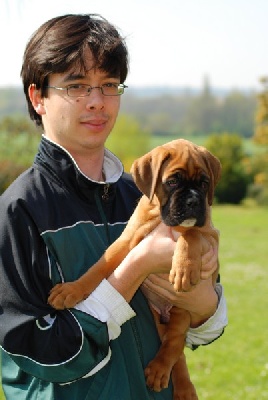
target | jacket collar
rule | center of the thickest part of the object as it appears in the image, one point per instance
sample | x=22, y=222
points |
x=59, y=163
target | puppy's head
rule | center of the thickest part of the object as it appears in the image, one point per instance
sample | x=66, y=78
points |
x=182, y=177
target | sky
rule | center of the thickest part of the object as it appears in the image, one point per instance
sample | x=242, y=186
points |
x=171, y=42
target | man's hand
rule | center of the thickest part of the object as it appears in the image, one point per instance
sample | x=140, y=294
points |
x=201, y=302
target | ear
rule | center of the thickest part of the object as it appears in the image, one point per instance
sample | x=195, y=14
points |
x=36, y=99
x=146, y=170
x=214, y=167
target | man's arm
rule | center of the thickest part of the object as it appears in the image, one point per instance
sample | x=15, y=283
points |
x=57, y=346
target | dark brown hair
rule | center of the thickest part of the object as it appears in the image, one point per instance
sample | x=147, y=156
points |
x=61, y=44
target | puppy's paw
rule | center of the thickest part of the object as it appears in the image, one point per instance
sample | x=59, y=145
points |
x=184, y=279
x=157, y=377
x=65, y=295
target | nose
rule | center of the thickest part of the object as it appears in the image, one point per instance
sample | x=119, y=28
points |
x=192, y=200
x=95, y=100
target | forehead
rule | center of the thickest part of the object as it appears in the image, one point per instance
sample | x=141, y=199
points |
x=83, y=64
x=185, y=158
x=86, y=67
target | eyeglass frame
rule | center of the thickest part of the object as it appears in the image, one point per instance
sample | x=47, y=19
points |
x=67, y=88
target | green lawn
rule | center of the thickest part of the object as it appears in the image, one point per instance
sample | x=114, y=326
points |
x=236, y=366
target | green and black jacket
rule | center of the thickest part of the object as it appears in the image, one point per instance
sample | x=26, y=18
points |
x=56, y=223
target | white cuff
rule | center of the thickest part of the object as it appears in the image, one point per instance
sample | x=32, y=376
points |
x=213, y=327
x=107, y=305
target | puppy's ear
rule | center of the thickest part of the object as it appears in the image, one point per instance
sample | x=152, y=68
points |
x=146, y=170
x=214, y=168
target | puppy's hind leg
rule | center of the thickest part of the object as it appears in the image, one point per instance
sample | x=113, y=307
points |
x=172, y=334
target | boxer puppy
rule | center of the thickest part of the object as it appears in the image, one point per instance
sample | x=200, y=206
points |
x=178, y=181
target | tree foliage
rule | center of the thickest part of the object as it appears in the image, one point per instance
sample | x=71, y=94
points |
x=193, y=113
x=259, y=188
x=14, y=125
x=12, y=102
x=18, y=145
x=261, y=116
x=202, y=114
x=228, y=147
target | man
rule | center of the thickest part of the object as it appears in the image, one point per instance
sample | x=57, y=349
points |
x=58, y=218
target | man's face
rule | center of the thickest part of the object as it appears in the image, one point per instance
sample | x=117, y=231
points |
x=79, y=123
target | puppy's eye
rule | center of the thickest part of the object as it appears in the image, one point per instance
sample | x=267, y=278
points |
x=204, y=184
x=172, y=182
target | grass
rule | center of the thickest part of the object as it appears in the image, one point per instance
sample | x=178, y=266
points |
x=236, y=366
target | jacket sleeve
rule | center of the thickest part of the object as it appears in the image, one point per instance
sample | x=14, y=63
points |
x=54, y=346
x=213, y=328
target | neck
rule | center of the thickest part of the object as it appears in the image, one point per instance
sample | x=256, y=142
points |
x=91, y=166
x=89, y=161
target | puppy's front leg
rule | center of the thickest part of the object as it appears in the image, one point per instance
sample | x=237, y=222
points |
x=186, y=262
x=68, y=294
x=144, y=219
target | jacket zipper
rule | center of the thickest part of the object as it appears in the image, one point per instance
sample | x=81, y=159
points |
x=105, y=197
x=139, y=347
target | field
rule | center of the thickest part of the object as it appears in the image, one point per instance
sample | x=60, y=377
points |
x=236, y=366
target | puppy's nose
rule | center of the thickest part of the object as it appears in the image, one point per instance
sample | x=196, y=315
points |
x=192, y=201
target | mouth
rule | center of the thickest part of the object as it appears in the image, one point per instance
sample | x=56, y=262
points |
x=94, y=125
x=181, y=219
x=187, y=223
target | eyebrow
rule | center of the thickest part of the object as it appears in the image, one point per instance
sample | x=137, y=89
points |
x=73, y=77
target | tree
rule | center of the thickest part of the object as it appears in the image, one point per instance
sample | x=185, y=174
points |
x=202, y=114
x=17, y=124
x=234, y=181
x=18, y=145
x=259, y=189
x=261, y=117
x=237, y=113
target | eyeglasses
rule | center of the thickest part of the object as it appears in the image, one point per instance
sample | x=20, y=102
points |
x=80, y=90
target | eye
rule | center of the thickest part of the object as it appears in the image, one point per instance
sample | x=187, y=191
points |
x=110, y=85
x=75, y=86
x=173, y=182
x=204, y=184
